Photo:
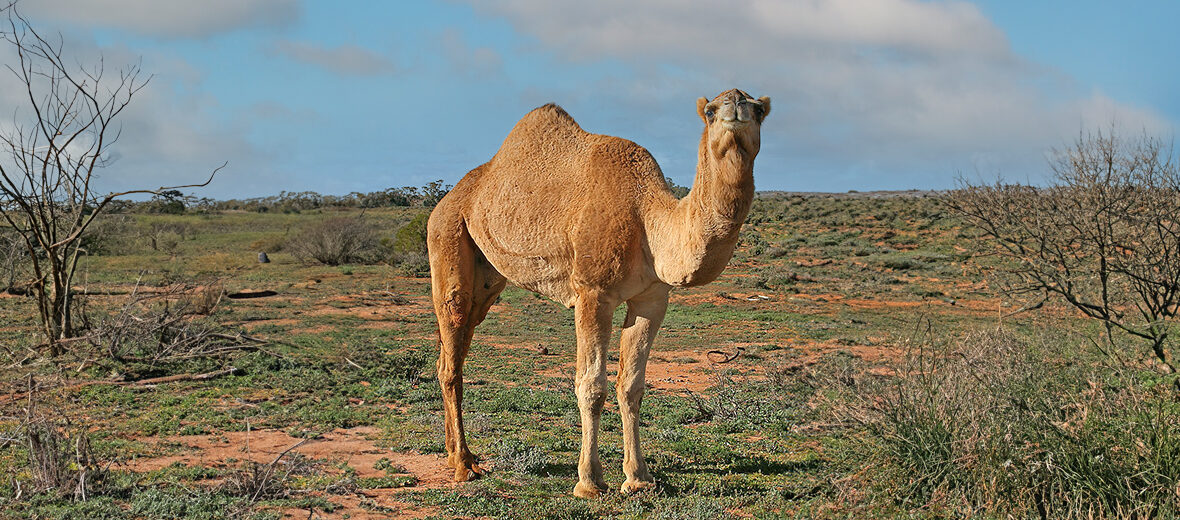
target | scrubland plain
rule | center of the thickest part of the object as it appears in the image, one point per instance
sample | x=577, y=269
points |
x=852, y=362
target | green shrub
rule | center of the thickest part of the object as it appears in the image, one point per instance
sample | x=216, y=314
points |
x=408, y=247
x=517, y=456
x=997, y=425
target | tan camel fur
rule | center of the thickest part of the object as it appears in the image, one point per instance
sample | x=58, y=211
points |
x=588, y=221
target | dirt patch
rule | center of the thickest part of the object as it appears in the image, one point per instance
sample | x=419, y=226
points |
x=666, y=370
x=279, y=322
x=948, y=304
x=365, y=312
x=691, y=299
x=665, y=373
x=355, y=447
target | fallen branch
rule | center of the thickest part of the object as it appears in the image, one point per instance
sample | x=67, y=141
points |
x=182, y=377
x=143, y=383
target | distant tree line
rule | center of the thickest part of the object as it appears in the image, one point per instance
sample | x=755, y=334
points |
x=175, y=202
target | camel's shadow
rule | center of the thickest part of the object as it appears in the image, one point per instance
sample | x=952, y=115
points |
x=667, y=476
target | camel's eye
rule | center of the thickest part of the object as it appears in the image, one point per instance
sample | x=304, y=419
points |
x=709, y=114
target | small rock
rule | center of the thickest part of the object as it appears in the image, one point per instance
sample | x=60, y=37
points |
x=262, y=258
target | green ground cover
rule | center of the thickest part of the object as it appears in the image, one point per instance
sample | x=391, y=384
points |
x=836, y=301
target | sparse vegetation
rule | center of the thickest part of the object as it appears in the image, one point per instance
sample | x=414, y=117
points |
x=834, y=409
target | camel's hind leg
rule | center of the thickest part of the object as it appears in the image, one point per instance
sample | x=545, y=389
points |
x=464, y=286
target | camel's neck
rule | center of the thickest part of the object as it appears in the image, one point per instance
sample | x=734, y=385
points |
x=693, y=241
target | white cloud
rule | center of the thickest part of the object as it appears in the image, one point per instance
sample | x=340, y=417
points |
x=168, y=134
x=862, y=86
x=350, y=60
x=469, y=60
x=168, y=18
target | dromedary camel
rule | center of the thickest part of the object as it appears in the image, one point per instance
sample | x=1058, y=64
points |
x=588, y=221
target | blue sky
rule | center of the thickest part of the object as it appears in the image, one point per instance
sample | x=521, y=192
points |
x=867, y=94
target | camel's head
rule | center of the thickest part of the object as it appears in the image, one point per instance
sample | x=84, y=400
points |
x=733, y=118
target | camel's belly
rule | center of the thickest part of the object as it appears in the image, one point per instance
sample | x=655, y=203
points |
x=541, y=270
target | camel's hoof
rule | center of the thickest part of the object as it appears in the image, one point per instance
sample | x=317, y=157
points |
x=635, y=486
x=466, y=472
x=587, y=490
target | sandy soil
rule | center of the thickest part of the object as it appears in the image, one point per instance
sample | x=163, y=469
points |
x=355, y=447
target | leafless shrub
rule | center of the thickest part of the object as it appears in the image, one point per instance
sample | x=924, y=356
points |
x=1104, y=237
x=336, y=241
x=60, y=459
x=109, y=234
x=205, y=299
x=167, y=236
x=255, y=481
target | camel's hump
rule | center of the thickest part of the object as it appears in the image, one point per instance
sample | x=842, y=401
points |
x=549, y=116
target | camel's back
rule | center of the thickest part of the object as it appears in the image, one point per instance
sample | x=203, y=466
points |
x=548, y=178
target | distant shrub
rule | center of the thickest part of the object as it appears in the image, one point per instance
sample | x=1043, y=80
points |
x=271, y=243
x=109, y=235
x=408, y=247
x=335, y=241
x=677, y=190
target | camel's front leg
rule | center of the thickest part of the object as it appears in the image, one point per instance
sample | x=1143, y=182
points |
x=593, y=324
x=644, y=316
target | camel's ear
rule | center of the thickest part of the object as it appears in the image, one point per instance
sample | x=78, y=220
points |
x=764, y=104
x=701, y=109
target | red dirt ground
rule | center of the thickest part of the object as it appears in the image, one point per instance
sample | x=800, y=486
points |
x=355, y=447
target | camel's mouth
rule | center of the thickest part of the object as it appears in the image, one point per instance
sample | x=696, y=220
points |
x=734, y=124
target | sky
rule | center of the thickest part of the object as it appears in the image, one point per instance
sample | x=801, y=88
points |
x=336, y=97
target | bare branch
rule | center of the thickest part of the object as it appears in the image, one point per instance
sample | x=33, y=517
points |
x=61, y=136
x=1104, y=237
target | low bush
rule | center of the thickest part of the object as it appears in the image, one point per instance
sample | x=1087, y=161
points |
x=336, y=241
x=516, y=456
x=998, y=425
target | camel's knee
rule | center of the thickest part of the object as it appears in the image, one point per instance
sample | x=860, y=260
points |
x=449, y=379
x=449, y=372
x=456, y=307
x=630, y=397
x=592, y=393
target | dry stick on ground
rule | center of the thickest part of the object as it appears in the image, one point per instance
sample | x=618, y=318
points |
x=258, y=481
x=270, y=468
x=167, y=331
x=142, y=383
